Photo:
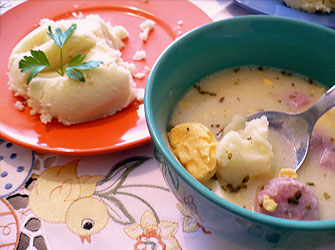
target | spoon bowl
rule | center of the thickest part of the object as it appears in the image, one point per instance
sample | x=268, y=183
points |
x=297, y=128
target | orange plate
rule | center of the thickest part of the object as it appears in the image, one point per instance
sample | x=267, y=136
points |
x=126, y=128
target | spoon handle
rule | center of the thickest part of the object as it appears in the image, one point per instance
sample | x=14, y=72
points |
x=326, y=101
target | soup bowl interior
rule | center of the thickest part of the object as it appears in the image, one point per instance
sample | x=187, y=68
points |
x=277, y=42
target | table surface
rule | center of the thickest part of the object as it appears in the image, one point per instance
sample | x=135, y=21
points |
x=138, y=201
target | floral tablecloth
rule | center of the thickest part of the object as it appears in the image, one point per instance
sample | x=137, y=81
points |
x=113, y=201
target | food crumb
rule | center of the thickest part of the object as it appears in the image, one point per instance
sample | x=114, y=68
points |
x=146, y=69
x=78, y=15
x=139, y=75
x=294, y=200
x=236, y=69
x=139, y=94
x=146, y=27
x=326, y=195
x=268, y=82
x=269, y=204
x=19, y=105
x=120, y=32
x=139, y=55
x=288, y=172
x=308, y=207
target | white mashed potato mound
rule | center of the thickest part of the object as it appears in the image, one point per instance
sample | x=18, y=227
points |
x=245, y=153
x=107, y=89
x=325, y=6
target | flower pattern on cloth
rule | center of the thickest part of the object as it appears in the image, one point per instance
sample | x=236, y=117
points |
x=187, y=201
x=190, y=225
x=153, y=234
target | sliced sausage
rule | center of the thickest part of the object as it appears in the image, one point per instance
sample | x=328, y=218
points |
x=295, y=200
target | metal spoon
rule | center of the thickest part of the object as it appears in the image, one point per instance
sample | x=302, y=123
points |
x=297, y=128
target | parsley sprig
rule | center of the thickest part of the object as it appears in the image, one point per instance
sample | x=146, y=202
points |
x=38, y=60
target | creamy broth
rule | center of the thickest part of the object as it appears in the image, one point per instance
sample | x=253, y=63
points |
x=214, y=100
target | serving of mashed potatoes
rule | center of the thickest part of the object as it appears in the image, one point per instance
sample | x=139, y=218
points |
x=325, y=6
x=108, y=88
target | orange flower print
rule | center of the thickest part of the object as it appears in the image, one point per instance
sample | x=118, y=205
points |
x=151, y=234
x=149, y=240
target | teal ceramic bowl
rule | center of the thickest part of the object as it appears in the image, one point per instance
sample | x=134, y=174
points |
x=283, y=43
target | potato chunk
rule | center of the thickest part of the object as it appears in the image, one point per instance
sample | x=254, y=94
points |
x=245, y=153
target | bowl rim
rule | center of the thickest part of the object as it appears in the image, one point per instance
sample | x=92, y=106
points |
x=177, y=167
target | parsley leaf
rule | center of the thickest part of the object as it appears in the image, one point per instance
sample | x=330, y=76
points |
x=59, y=37
x=38, y=60
x=35, y=63
x=75, y=65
